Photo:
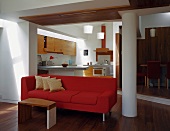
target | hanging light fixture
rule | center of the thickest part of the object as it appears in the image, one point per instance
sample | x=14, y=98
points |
x=88, y=29
x=152, y=32
x=100, y=35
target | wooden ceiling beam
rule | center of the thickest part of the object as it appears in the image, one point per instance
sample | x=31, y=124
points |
x=110, y=13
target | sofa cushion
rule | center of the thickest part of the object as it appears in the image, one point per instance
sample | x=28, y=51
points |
x=38, y=94
x=55, y=85
x=86, y=98
x=62, y=96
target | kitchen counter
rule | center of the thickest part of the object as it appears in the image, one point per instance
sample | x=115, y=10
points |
x=98, y=65
x=63, y=68
x=67, y=71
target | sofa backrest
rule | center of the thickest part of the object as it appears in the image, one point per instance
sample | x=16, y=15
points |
x=99, y=84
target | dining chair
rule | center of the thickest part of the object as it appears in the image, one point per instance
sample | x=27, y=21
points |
x=141, y=74
x=153, y=71
x=167, y=75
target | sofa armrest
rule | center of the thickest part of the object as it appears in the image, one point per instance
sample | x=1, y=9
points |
x=27, y=84
x=107, y=99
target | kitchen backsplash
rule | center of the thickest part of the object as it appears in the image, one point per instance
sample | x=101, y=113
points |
x=101, y=58
x=58, y=59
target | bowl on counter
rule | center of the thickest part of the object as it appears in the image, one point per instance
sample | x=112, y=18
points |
x=64, y=65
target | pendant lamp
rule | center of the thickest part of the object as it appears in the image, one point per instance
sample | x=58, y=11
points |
x=88, y=29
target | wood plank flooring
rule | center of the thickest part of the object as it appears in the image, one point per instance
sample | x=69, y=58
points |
x=163, y=92
x=151, y=117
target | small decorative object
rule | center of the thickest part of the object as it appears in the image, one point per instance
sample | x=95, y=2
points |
x=100, y=35
x=64, y=65
x=51, y=57
x=85, y=52
x=152, y=32
x=88, y=29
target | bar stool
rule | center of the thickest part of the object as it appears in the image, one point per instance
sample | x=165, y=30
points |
x=153, y=71
x=167, y=74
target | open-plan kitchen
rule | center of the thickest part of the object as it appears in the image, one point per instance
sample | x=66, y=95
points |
x=87, y=52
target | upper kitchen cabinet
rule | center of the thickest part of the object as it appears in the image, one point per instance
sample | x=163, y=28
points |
x=58, y=45
x=50, y=44
x=69, y=48
x=40, y=48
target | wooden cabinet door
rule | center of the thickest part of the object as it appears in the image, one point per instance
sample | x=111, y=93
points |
x=88, y=72
x=50, y=44
x=58, y=45
x=40, y=45
x=70, y=48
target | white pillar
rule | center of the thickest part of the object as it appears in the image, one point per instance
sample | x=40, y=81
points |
x=129, y=48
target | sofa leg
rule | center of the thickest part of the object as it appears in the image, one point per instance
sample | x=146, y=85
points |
x=103, y=117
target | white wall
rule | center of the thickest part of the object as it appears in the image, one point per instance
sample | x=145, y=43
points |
x=154, y=20
x=91, y=43
x=70, y=30
x=14, y=52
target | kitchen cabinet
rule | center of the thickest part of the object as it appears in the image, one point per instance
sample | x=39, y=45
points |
x=40, y=45
x=69, y=48
x=55, y=45
x=50, y=44
x=58, y=45
x=88, y=72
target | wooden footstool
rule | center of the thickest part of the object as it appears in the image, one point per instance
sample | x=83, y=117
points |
x=25, y=110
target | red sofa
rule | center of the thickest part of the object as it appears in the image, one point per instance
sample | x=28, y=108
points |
x=91, y=94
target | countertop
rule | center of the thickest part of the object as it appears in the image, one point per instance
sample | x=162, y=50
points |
x=98, y=65
x=63, y=68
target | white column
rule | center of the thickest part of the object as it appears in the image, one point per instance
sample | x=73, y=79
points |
x=129, y=41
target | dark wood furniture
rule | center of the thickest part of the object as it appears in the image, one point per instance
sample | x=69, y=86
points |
x=153, y=71
x=154, y=48
x=168, y=75
x=25, y=110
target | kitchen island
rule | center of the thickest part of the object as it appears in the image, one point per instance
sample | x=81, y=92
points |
x=60, y=70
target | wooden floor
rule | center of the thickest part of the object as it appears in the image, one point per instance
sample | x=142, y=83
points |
x=151, y=117
x=163, y=92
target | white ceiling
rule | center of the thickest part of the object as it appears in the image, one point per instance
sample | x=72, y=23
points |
x=13, y=9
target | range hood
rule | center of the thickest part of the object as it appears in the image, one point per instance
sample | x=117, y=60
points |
x=103, y=41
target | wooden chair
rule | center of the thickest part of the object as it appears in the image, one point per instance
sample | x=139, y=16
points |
x=153, y=71
x=141, y=74
x=167, y=75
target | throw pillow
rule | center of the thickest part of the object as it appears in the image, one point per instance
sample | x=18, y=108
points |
x=39, y=82
x=45, y=83
x=55, y=85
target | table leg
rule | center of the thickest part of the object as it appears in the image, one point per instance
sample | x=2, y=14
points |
x=24, y=112
x=51, y=117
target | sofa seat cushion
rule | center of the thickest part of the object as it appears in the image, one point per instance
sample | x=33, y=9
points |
x=89, y=98
x=38, y=94
x=62, y=96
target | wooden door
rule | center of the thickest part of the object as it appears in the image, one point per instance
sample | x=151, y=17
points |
x=119, y=60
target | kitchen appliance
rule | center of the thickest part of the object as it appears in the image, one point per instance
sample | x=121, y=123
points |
x=39, y=60
x=99, y=70
x=47, y=63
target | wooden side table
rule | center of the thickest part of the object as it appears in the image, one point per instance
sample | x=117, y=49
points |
x=25, y=110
